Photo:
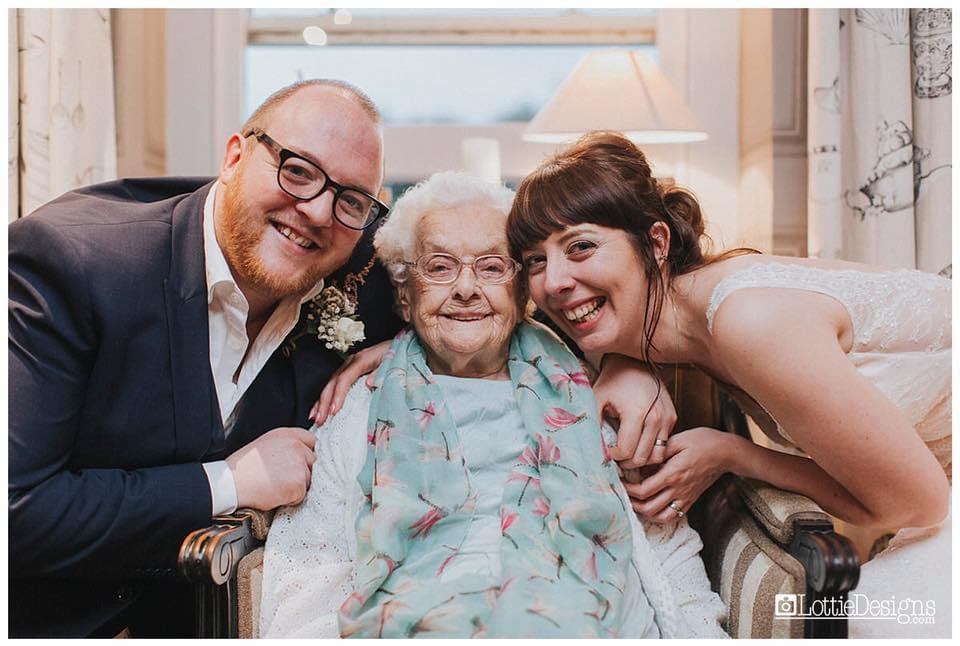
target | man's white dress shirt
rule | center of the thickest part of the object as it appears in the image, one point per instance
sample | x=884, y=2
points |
x=227, y=310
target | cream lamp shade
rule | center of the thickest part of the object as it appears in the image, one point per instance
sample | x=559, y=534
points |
x=616, y=89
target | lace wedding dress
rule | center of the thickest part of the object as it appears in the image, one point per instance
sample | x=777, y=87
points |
x=902, y=344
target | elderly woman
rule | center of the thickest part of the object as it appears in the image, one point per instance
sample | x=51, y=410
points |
x=481, y=500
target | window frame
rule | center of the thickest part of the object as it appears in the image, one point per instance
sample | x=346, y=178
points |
x=571, y=28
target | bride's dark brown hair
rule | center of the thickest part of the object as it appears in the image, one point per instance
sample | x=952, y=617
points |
x=604, y=179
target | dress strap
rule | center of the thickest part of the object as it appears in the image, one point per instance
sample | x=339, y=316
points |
x=780, y=275
x=840, y=285
x=880, y=304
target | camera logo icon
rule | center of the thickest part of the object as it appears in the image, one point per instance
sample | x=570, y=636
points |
x=785, y=605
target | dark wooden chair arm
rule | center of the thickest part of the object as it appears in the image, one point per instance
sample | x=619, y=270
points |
x=211, y=554
x=832, y=570
x=209, y=558
x=829, y=559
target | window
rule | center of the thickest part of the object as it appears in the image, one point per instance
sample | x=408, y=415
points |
x=425, y=84
x=433, y=70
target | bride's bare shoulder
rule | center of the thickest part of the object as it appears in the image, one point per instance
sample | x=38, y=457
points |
x=756, y=312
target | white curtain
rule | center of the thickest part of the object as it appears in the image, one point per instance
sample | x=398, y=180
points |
x=67, y=132
x=13, y=119
x=879, y=126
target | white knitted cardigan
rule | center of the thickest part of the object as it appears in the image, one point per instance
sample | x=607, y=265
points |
x=308, y=562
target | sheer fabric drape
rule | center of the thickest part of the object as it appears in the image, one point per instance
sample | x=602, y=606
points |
x=879, y=129
x=67, y=129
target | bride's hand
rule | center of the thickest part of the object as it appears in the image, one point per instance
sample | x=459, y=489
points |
x=358, y=364
x=695, y=459
x=628, y=392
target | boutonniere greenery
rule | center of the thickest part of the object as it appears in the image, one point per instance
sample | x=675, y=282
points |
x=331, y=316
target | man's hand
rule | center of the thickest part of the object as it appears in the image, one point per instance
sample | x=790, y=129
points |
x=628, y=392
x=273, y=470
x=358, y=364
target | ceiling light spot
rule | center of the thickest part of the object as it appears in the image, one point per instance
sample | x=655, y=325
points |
x=314, y=35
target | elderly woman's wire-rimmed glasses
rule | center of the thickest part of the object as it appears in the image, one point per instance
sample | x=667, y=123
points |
x=443, y=269
x=300, y=178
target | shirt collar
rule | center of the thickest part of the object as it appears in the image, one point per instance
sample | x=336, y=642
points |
x=218, y=271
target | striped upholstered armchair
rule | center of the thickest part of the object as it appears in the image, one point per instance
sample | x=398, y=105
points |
x=759, y=542
x=762, y=544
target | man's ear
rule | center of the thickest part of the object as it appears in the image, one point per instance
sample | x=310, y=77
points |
x=232, y=156
x=403, y=301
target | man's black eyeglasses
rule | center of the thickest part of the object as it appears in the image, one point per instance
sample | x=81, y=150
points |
x=300, y=178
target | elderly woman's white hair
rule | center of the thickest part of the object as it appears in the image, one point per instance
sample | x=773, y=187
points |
x=396, y=241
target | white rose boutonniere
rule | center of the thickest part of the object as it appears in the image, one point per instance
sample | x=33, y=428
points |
x=331, y=316
x=346, y=332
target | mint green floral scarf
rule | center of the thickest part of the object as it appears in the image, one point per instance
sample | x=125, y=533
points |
x=566, y=542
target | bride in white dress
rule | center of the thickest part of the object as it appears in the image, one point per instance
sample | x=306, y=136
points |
x=849, y=363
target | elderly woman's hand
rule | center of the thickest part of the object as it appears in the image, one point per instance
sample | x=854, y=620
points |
x=628, y=392
x=695, y=459
x=358, y=364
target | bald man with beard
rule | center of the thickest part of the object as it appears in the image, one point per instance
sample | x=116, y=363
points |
x=149, y=390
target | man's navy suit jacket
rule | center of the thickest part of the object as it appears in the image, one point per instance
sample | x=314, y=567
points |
x=112, y=403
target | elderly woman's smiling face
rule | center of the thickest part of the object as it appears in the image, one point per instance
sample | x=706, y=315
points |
x=465, y=325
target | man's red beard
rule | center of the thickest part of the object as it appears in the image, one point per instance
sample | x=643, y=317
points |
x=241, y=233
